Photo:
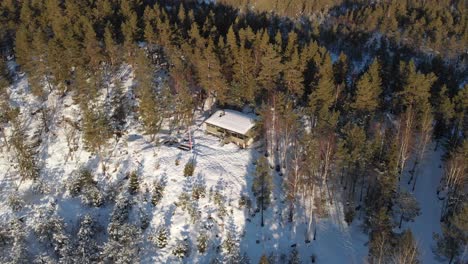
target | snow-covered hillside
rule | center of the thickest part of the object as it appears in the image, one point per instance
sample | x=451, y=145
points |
x=217, y=201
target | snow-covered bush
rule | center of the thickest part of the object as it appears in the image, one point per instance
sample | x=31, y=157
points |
x=198, y=191
x=181, y=249
x=161, y=236
x=124, y=247
x=81, y=180
x=194, y=212
x=92, y=196
x=144, y=219
x=183, y=201
x=15, y=202
x=39, y=187
x=245, y=201
x=50, y=229
x=133, y=184
x=202, y=242
x=230, y=245
x=158, y=193
x=13, y=246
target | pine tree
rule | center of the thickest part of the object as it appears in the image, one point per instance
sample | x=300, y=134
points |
x=87, y=250
x=454, y=235
x=96, y=130
x=119, y=109
x=161, y=237
x=111, y=47
x=19, y=252
x=158, y=192
x=293, y=75
x=261, y=186
x=244, y=83
x=340, y=69
x=149, y=105
x=210, y=73
x=416, y=87
x=92, y=47
x=270, y=67
x=133, y=185
x=368, y=91
x=323, y=97
x=25, y=153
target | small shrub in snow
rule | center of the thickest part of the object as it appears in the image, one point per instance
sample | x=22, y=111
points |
x=158, y=192
x=194, y=213
x=198, y=191
x=245, y=201
x=183, y=202
x=133, y=185
x=15, y=202
x=160, y=240
x=181, y=250
x=218, y=198
x=144, y=219
x=202, y=242
x=177, y=162
x=189, y=169
x=294, y=257
x=39, y=187
x=230, y=244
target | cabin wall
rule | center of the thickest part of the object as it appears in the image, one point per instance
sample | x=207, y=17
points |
x=229, y=136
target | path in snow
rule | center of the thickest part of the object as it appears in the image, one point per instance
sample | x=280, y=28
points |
x=429, y=175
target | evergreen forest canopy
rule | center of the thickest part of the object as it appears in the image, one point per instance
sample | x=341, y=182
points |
x=375, y=82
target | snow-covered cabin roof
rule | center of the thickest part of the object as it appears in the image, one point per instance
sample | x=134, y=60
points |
x=232, y=120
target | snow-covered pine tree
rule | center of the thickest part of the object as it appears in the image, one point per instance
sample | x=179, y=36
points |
x=19, y=250
x=161, y=238
x=202, y=242
x=87, y=249
x=123, y=248
x=158, y=193
x=181, y=249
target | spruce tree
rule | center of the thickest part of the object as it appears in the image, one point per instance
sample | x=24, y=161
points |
x=262, y=185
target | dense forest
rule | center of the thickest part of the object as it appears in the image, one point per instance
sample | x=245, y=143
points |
x=352, y=96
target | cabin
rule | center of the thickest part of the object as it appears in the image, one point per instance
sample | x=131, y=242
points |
x=231, y=126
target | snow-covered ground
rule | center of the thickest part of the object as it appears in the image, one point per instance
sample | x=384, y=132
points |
x=428, y=222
